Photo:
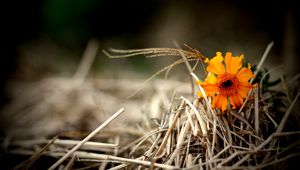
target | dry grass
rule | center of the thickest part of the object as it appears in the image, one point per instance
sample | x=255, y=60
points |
x=180, y=131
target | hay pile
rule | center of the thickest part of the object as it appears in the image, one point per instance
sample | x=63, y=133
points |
x=175, y=131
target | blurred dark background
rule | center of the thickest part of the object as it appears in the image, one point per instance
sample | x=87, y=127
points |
x=46, y=37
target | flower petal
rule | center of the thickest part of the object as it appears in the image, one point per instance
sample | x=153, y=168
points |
x=215, y=65
x=243, y=89
x=221, y=102
x=210, y=89
x=244, y=75
x=233, y=64
x=236, y=100
x=211, y=79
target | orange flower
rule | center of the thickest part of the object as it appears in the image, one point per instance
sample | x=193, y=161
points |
x=229, y=82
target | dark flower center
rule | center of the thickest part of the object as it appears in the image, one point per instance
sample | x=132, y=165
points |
x=226, y=84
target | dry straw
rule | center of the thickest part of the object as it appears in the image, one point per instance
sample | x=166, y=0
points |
x=189, y=135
